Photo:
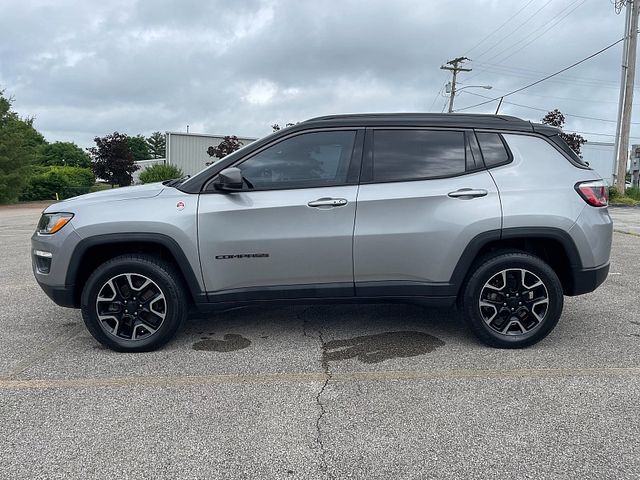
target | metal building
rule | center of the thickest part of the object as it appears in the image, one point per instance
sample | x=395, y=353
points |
x=188, y=151
x=601, y=159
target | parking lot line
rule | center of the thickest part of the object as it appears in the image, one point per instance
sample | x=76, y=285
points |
x=311, y=377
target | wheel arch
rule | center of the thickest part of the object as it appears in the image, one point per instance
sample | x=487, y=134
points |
x=93, y=251
x=552, y=245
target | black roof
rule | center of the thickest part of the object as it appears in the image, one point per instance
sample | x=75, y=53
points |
x=463, y=120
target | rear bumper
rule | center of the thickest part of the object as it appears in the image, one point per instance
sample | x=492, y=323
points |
x=587, y=280
x=63, y=296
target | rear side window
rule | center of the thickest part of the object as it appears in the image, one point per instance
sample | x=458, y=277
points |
x=494, y=151
x=417, y=154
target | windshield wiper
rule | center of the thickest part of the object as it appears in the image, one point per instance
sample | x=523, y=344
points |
x=175, y=181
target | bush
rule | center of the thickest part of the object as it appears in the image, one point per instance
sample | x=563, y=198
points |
x=65, y=181
x=633, y=192
x=160, y=172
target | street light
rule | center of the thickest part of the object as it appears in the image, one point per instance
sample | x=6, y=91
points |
x=452, y=90
x=448, y=87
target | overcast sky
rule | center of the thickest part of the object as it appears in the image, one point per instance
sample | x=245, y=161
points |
x=88, y=68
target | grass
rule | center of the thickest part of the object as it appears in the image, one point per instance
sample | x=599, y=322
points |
x=101, y=186
x=631, y=197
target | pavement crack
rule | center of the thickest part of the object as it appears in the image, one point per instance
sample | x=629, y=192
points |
x=322, y=410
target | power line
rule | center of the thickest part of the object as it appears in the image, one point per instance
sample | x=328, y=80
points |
x=498, y=29
x=525, y=73
x=549, y=27
x=547, y=77
x=514, y=30
x=585, y=117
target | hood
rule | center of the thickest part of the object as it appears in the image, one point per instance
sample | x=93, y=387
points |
x=110, y=195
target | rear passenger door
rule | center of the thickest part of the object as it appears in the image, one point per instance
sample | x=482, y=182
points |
x=424, y=196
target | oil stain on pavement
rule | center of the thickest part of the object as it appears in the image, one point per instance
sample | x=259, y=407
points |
x=230, y=343
x=380, y=347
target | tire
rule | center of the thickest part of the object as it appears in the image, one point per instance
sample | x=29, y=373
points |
x=142, y=303
x=503, y=314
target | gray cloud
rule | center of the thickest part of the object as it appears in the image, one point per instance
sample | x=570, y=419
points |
x=89, y=68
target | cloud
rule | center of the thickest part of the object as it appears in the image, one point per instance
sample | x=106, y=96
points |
x=89, y=68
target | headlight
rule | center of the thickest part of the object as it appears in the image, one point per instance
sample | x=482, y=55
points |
x=52, y=222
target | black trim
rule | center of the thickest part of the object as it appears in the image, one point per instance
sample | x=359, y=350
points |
x=283, y=292
x=63, y=296
x=469, y=255
x=587, y=280
x=400, y=288
x=114, y=238
x=424, y=301
x=547, y=232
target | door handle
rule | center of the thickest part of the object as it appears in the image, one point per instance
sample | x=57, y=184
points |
x=328, y=202
x=468, y=193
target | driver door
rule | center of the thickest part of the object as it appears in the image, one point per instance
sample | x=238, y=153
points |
x=288, y=233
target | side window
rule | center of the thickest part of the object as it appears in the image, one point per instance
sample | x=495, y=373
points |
x=493, y=149
x=308, y=160
x=417, y=154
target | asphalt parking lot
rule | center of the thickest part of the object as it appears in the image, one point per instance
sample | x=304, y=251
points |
x=381, y=391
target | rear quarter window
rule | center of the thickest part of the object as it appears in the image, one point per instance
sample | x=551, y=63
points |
x=494, y=150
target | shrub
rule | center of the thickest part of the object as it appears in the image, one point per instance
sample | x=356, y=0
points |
x=160, y=172
x=633, y=192
x=65, y=181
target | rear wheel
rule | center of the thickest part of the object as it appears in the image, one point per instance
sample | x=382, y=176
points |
x=512, y=300
x=134, y=303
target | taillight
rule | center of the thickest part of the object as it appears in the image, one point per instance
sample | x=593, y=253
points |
x=595, y=193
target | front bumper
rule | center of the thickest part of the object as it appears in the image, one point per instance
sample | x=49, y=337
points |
x=587, y=280
x=63, y=296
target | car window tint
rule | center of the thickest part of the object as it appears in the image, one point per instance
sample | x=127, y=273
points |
x=307, y=160
x=417, y=154
x=493, y=149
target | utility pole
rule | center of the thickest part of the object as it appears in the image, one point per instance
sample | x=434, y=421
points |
x=455, y=67
x=625, y=119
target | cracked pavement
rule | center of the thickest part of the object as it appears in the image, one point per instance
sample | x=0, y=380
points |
x=327, y=391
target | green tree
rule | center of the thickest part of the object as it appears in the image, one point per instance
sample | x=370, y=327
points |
x=113, y=160
x=160, y=173
x=65, y=182
x=139, y=148
x=157, y=144
x=64, y=154
x=555, y=118
x=19, y=146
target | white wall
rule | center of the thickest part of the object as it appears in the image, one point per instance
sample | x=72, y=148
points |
x=188, y=151
x=600, y=158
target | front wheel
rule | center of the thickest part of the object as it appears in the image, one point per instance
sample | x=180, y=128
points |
x=512, y=300
x=134, y=303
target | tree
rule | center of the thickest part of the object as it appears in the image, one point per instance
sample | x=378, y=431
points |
x=555, y=118
x=64, y=154
x=229, y=144
x=112, y=159
x=139, y=148
x=157, y=144
x=19, y=146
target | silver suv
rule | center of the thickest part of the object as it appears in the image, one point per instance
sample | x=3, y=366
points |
x=492, y=213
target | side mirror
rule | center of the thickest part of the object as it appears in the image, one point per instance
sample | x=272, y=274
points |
x=229, y=180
